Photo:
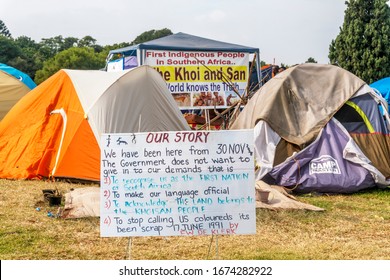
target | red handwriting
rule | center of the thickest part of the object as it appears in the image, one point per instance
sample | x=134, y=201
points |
x=182, y=136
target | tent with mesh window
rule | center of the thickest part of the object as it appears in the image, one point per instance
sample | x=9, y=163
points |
x=319, y=128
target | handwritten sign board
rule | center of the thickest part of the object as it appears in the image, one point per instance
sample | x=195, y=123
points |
x=177, y=183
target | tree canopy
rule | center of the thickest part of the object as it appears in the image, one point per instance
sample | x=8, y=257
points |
x=42, y=59
x=83, y=58
x=4, y=30
x=311, y=60
x=363, y=44
x=151, y=35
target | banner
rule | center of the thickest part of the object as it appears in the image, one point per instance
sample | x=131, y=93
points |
x=202, y=80
x=115, y=65
x=177, y=183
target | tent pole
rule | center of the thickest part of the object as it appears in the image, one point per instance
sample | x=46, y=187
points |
x=259, y=75
x=208, y=119
x=216, y=246
x=141, y=59
x=211, y=242
x=129, y=248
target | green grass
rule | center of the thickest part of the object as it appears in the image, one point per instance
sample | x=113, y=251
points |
x=352, y=227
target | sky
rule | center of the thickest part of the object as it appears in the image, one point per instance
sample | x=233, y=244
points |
x=285, y=31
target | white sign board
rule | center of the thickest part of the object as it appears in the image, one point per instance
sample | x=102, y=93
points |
x=177, y=183
x=202, y=79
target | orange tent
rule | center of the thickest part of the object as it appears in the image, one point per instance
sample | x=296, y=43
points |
x=54, y=130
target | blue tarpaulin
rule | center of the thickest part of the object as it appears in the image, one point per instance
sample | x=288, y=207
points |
x=185, y=42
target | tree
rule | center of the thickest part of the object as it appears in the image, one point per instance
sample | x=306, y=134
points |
x=263, y=63
x=363, y=44
x=68, y=43
x=4, y=30
x=151, y=35
x=73, y=58
x=19, y=54
x=311, y=60
x=87, y=41
x=53, y=45
x=8, y=49
x=26, y=62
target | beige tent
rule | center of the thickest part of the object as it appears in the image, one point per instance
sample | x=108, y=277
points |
x=298, y=102
x=14, y=84
x=319, y=128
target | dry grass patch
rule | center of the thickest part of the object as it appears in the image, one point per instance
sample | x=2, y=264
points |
x=353, y=227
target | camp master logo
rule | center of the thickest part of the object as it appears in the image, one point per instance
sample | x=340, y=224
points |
x=324, y=164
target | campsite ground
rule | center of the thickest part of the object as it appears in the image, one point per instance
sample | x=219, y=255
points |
x=353, y=227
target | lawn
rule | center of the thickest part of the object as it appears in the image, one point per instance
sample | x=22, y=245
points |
x=352, y=227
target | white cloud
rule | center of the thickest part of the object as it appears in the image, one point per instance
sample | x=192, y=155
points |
x=217, y=16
